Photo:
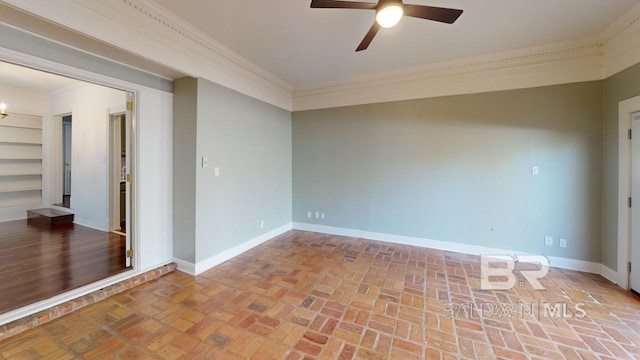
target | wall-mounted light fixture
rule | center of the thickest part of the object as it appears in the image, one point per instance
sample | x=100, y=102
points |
x=3, y=111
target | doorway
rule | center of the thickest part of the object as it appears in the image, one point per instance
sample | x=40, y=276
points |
x=118, y=164
x=628, y=252
x=66, y=161
x=120, y=175
x=634, y=253
x=66, y=158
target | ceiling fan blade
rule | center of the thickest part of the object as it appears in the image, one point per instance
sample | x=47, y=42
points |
x=333, y=4
x=369, y=37
x=444, y=15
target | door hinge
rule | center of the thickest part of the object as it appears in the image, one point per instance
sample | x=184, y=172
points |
x=629, y=134
x=130, y=253
x=129, y=105
x=629, y=201
x=130, y=179
x=629, y=266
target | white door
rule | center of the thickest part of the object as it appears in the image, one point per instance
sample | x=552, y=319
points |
x=634, y=276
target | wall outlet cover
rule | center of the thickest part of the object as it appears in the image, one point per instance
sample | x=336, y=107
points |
x=548, y=240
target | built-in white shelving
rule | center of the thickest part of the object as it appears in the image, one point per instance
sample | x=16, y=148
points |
x=20, y=160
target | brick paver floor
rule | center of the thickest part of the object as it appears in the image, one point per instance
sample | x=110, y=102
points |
x=311, y=296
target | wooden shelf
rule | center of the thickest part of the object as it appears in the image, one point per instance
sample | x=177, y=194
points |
x=39, y=143
x=21, y=126
x=20, y=190
x=25, y=173
x=22, y=158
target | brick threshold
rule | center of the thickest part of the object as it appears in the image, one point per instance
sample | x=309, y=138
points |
x=32, y=321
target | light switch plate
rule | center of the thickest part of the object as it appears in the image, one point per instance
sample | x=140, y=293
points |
x=535, y=170
x=563, y=243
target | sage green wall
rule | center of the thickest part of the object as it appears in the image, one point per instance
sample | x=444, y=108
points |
x=621, y=86
x=250, y=141
x=458, y=168
x=185, y=102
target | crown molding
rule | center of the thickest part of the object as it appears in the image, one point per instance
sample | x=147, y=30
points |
x=552, y=64
x=597, y=58
x=144, y=28
x=621, y=42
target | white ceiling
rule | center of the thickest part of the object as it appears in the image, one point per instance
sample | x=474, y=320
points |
x=22, y=78
x=307, y=47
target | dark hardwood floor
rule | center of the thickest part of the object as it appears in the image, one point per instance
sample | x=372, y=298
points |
x=37, y=263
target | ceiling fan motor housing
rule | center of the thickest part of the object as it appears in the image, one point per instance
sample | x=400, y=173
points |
x=389, y=12
x=384, y=3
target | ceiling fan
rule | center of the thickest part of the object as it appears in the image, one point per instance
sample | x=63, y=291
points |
x=389, y=13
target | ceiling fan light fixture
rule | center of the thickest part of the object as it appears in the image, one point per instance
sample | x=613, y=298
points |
x=389, y=16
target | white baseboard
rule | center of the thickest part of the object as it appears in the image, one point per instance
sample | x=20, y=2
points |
x=563, y=263
x=611, y=275
x=185, y=266
x=91, y=224
x=202, y=266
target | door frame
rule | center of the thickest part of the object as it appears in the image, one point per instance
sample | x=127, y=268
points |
x=625, y=110
x=114, y=172
x=112, y=191
x=69, y=153
x=57, y=175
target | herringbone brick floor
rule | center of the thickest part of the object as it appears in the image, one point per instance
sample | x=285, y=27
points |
x=312, y=296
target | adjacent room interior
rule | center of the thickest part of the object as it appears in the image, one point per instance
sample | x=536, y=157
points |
x=63, y=207
x=298, y=183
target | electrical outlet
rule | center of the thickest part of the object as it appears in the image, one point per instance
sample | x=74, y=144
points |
x=261, y=224
x=309, y=214
x=548, y=240
x=322, y=216
x=317, y=215
x=563, y=243
x=216, y=172
x=205, y=161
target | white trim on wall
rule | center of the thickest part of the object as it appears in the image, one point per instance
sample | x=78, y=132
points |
x=621, y=43
x=59, y=299
x=166, y=39
x=563, y=263
x=430, y=85
x=625, y=109
x=173, y=42
x=610, y=275
x=204, y=265
x=100, y=226
x=186, y=267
